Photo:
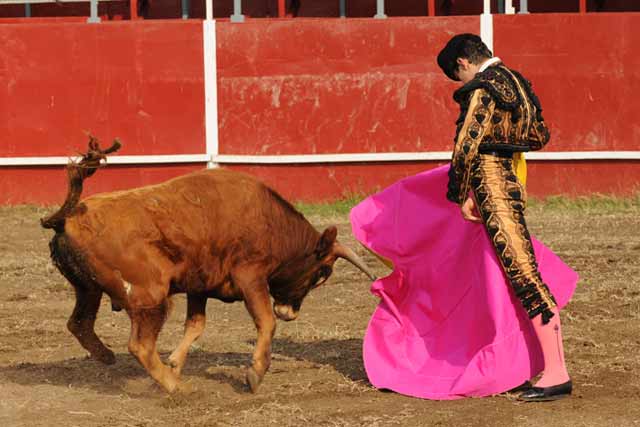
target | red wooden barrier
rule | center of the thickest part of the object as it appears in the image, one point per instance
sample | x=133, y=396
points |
x=584, y=68
x=335, y=86
x=309, y=86
x=141, y=82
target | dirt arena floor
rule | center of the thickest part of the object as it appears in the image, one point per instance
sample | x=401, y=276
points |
x=317, y=377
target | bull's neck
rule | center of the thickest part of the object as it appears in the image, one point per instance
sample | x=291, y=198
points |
x=300, y=239
x=292, y=235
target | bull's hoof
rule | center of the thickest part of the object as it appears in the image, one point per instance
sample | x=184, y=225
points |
x=107, y=357
x=176, y=367
x=169, y=382
x=170, y=387
x=253, y=379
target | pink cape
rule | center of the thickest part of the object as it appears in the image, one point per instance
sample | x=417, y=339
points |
x=448, y=325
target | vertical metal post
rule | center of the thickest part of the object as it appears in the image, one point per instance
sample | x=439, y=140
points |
x=524, y=6
x=380, y=10
x=210, y=88
x=209, y=9
x=343, y=8
x=508, y=7
x=500, y=6
x=486, y=25
x=94, y=18
x=237, y=11
x=27, y=10
x=185, y=9
x=431, y=8
x=583, y=6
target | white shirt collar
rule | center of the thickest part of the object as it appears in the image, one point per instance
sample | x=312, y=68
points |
x=488, y=63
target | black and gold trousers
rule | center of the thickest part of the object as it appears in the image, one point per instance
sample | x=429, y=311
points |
x=501, y=203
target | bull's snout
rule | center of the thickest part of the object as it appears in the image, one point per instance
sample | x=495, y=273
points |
x=284, y=312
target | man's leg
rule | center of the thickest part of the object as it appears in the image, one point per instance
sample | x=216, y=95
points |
x=500, y=199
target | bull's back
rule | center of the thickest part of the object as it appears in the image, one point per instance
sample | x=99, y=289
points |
x=178, y=219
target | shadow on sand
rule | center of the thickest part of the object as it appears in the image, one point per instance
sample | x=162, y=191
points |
x=344, y=355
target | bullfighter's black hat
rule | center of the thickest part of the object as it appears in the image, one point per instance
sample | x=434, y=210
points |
x=455, y=48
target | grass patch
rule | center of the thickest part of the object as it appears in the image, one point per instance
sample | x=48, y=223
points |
x=596, y=203
x=338, y=207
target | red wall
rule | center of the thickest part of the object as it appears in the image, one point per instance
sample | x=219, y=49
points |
x=305, y=86
x=363, y=86
x=140, y=82
x=584, y=69
x=328, y=182
x=48, y=185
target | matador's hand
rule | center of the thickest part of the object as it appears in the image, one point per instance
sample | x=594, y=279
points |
x=469, y=211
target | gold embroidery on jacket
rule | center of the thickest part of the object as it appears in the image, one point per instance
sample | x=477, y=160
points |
x=499, y=112
x=473, y=129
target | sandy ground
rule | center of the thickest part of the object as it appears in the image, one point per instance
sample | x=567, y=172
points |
x=317, y=377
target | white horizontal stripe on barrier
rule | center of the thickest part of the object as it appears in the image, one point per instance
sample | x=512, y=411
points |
x=584, y=155
x=116, y=160
x=333, y=158
x=409, y=157
x=311, y=158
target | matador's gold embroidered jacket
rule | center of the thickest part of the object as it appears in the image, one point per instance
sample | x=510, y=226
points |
x=498, y=112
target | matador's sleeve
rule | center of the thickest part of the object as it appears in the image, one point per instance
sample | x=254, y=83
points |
x=476, y=123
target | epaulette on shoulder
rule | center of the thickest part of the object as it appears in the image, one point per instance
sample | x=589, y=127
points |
x=498, y=82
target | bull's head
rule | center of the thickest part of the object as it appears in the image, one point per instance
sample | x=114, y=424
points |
x=290, y=284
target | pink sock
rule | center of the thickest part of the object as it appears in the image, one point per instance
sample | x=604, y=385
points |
x=550, y=338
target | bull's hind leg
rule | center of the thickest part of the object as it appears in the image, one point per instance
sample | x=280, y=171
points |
x=73, y=267
x=145, y=327
x=193, y=328
x=82, y=321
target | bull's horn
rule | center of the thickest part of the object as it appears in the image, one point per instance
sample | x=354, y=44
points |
x=349, y=255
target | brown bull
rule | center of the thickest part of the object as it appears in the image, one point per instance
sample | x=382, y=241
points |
x=210, y=234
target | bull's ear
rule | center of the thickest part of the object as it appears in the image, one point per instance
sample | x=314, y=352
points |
x=325, y=244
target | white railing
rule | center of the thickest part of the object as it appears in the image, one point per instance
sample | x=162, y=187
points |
x=297, y=159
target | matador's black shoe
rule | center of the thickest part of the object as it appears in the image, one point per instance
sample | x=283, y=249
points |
x=545, y=394
x=519, y=389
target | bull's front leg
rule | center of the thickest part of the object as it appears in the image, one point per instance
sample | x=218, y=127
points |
x=193, y=328
x=258, y=303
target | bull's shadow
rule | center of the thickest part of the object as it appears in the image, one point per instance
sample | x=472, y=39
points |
x=344, y=355
x=112, y=379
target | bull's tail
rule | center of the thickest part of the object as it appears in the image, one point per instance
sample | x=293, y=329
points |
x=77, y=173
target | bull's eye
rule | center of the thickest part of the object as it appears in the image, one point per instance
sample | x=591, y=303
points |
x=326, y=270
x=321, y=275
